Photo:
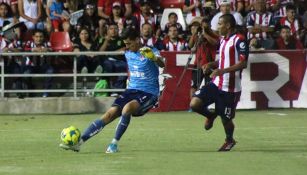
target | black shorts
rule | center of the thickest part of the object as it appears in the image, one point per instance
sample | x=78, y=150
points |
x=225, y=102
x=146, y=100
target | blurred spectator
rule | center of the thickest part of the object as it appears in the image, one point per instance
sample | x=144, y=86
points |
x=30, y=12
x=48, y=24
x=117, y=16
x=147, y=16
x=90, y=20
x=131, y=22
x=172, y=42
x=59, y=19
x=114, y=63
x=279, y=7
x=192, y=8
x=155, y=5
x=235, y=5
x=13, y=6
x=5, y=14
x=105, y=7
x=73, y=5
x=292, y=21
x=204, y=43
x=286, y=41
x=260, y=26
x=225, y=8
x=147, y=38
x=86, y=63
x=39, y=64
x=172, y=20
x=102, y=31
x=14, y=64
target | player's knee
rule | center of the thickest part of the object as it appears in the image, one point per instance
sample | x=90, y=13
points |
x=108, y=117
x=195, y=105
x=130, y=107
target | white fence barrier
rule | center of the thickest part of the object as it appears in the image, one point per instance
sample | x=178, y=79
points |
x=74, y=75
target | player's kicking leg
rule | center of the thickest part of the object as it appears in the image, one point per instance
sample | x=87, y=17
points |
x=94, y=128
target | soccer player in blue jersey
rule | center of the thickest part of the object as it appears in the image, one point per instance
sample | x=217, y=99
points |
x=140, y=96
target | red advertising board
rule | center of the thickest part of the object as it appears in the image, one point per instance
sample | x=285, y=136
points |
x=273, y=79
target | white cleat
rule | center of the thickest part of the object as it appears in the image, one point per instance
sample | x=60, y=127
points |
x=112, y=148
x=75, y=148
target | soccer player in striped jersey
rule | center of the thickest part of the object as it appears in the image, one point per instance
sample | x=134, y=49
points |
x=140, y=96
x=225, y=88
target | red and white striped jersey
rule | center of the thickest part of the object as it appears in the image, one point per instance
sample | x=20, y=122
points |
x=294, y=26
x=29, y=45
x=232, y=4
x=194, y=12
x=10, y=2
x=264, y=20
x=148, y=42
x=281, y=12
x=180, y=45
x=232, y=50
x=152, y=19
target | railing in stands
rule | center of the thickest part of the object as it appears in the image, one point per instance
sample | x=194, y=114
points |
x=74, y=73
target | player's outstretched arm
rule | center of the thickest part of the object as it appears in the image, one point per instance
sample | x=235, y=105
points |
x=149, y=54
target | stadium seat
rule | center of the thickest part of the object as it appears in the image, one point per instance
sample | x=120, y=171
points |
x=172, y=3
x=60, y=41
x=167, y=11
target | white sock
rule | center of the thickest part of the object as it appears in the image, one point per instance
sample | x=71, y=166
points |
x=114, y=141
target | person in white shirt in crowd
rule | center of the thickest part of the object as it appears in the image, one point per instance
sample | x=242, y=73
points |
x=225, y=8
x=30, y=12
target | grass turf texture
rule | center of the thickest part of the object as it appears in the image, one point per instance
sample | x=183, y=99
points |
x=269, y=142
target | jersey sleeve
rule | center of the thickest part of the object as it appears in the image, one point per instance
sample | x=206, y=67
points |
x=156, y=51
x=242, y=48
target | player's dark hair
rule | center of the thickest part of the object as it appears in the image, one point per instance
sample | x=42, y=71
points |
x=129, y=33
x=229, y=18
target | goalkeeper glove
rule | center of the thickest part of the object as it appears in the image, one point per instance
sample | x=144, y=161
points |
x=148, y=53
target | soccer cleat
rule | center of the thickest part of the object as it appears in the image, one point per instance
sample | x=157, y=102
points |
x=112, y=148
x=228, y=145
x=209, y=122
x=75, y=148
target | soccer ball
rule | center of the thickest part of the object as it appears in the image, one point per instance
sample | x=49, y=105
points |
x=70, y=136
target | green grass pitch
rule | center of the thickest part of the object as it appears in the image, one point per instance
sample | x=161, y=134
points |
x=272, y=142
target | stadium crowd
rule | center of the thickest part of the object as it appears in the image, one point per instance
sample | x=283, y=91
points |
x=96, y=25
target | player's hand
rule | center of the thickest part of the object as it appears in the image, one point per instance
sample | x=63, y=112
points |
x=207, y=68
x=148, y=53
x=216, y=72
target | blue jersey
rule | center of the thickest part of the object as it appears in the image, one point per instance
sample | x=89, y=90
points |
x=143, y=73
